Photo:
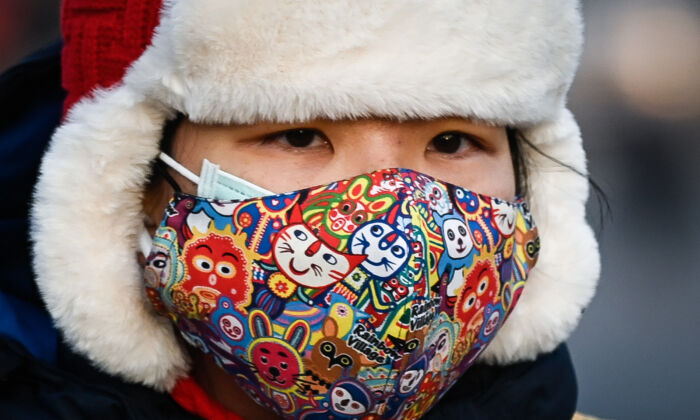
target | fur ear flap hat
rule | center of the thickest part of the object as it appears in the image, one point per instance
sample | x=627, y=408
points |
x=132, y=65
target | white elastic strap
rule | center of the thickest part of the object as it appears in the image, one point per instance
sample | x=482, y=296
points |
x=179, y=168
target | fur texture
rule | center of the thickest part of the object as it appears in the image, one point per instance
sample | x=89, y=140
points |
x=225, y=61
x=85, y=220
x=563, y=281
x=504, y=61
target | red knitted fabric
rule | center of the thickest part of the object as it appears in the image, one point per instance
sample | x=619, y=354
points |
x=101, y=39
x=192, y=398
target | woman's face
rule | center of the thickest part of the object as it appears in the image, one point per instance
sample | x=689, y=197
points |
x=286, y=157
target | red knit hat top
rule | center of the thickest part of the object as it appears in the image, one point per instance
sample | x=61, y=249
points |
x=101, y=39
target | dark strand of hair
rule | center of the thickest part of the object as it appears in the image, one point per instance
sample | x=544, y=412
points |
x=517, y=139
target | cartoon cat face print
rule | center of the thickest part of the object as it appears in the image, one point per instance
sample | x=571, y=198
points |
x=338, y=213
x=503, y=216
x=307, y=260
x=386, y=248
x=532, y=246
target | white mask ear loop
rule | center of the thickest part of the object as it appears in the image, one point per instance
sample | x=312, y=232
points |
x=145, y=239
x=178, y=168
x=215, y=183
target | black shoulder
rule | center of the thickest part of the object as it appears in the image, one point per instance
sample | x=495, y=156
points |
x=72, y=390
x=543, y=389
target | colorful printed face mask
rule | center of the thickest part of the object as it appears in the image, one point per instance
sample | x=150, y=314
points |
x=368, y=296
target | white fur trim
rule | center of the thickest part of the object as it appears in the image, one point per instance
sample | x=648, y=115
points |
x=242, y=61
x=564, y=279
x=86, y=222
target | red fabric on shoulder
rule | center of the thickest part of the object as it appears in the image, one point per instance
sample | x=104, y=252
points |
x=101, y=39
x=192, y=398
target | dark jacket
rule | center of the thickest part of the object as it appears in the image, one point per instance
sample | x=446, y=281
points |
x=40, y=377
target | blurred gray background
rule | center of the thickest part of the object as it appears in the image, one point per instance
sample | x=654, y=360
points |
x=637, y=98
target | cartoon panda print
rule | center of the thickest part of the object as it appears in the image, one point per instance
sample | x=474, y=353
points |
x=459, y=251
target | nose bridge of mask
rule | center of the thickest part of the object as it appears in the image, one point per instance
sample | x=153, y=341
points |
x=213, y=183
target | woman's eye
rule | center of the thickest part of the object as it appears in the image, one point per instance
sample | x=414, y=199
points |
x=451, y=143
x=298, y=138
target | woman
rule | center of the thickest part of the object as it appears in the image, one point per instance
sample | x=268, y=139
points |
x=313, y=106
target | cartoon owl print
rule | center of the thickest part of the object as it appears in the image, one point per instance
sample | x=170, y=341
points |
x=531, y=245
x=503, y=216
x=306, y=259
x=331, y=358
x=216, y=265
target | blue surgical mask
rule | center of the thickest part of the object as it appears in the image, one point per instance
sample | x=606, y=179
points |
x=212, y=183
